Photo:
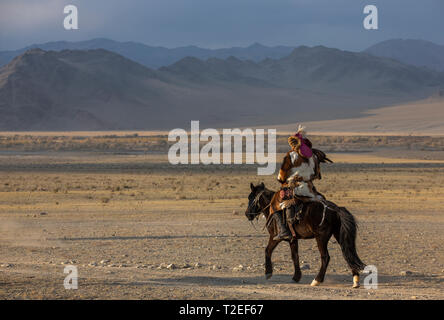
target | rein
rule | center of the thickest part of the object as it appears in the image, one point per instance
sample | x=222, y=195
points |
x=254, y=203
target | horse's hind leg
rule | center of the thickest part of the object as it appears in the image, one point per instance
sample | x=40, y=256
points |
x=268, y=252
x=325, y=259
x=295, y=257
x=354, y=272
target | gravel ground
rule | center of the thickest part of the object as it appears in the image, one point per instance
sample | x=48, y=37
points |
x=135, y=235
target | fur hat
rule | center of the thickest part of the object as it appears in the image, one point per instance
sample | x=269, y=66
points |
x=295, y=140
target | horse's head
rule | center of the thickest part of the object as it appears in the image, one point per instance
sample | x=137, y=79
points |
x=255, y=201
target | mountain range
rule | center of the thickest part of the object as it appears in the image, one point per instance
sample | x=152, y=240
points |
x=101, y=90
x=155, y=57
x=419, y=53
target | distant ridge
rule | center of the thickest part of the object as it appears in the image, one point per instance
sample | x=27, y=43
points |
x=319, y=69
x=419, y=53
x=153, y=56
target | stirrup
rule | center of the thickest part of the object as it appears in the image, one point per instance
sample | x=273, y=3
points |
x=285, y=236
x=298, y=214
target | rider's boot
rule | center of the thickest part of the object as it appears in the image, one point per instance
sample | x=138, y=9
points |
x=290, y=212
x=283, y=232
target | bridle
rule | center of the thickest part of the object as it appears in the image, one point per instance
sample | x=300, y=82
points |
x=255, y=202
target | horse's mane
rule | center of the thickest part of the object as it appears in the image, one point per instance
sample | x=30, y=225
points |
x=269, y=192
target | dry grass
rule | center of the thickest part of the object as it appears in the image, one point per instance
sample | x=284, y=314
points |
x=146, y=142
x=96, y=180
x=141, y=213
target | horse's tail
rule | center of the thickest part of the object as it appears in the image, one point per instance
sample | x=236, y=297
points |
x=347, y=239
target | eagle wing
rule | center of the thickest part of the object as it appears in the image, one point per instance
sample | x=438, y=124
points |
x=322, y=157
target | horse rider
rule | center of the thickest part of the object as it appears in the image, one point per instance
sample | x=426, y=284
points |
x=300, y=167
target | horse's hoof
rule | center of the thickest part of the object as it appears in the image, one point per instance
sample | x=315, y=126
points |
x=315, y=283
x=296, y=278
x=356, y=282
x=268, y=275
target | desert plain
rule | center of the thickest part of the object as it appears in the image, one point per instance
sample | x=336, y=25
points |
x=137, y=227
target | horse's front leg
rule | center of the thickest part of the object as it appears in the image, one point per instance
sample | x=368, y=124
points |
x=268, y=252
x=295, y=256
x=325, y=259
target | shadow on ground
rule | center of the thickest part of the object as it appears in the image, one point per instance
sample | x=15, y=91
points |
x=162, y=237
x=344, y=281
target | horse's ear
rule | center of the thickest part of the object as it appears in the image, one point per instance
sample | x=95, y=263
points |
x=251, y=186
x=262, y=185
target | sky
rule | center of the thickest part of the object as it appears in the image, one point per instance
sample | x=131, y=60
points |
x=222, y=23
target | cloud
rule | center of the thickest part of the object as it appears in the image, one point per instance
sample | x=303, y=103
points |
x=216, y=23
x=19, y=15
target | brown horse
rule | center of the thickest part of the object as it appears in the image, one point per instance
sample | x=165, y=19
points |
x=315, y=223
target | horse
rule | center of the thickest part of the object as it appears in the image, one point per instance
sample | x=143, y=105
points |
x=316, y=222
